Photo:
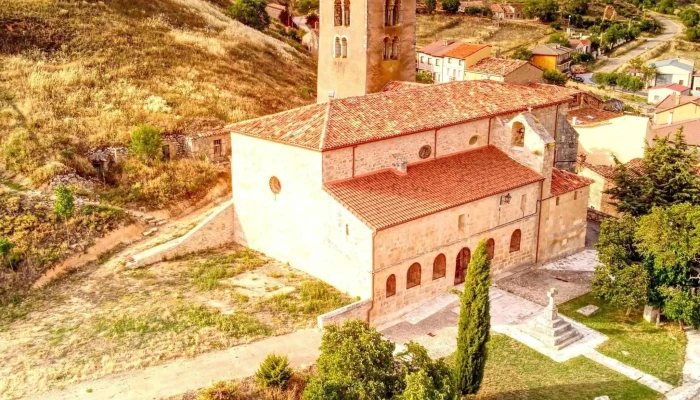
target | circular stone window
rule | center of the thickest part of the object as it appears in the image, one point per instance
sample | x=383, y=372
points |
x=425, y=151
x=275, y=185
x=473, y=139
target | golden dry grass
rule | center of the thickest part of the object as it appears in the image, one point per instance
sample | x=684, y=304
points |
x=503, y=35
x=82, y=74
x=103, y=320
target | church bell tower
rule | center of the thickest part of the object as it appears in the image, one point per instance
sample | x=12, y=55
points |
x=363, y=44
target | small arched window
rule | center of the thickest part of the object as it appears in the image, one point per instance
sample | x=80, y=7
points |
x=391, y=285
x=462, y=262
x=386, y=48
x=388, y=9
x=518, y=134
x=395, y=48
x=515, y=241
x=346, y=12
x=413, y=276
x=439, y=266
x=344, y=47
x=338, y=21
x=396, y=13
x=337, y=49
x=490, y=248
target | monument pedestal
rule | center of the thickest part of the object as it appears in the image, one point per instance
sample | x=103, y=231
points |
x=551, y=329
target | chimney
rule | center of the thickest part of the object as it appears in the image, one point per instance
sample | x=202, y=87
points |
x=444, y=42
x=399, y=163
x=498, y=53
x=670, y=117
x=677, y=98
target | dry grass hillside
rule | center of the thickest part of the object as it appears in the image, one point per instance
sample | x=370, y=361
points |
x=76, y=75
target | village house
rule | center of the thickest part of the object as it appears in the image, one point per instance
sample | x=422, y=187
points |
x=676, y=70
x=677, y=108
x=386, y=201
x=504, y=70
x=447, y=60
x=205, y=138
x=604, y=135
x=552, y=56
x=691, y=132
x=506, y=11
x=582, y=46
x=603, y=179
x=660, y=92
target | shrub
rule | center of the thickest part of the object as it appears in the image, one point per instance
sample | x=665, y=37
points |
x=450, y=6
x=430, y=6
x=64, y=206
x=555, y=26
x=424, y=77
x=304, y=6
x=146, y=142
x=424, y=378
x=274, y=371
x=251, y=13
x=221, y=390
x=554, y=77
x=558, y=38
x=521, y=53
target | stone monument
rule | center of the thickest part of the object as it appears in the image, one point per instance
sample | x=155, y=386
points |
x=551, y=329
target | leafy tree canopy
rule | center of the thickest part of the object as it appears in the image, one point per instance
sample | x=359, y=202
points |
x=521, y=53
x=251, y=13
x=558, y=38
x=545, y=10
x=146, y=142
x=450, y=6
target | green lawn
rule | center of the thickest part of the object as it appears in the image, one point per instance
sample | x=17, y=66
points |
x=657, y=351
x=515, y=371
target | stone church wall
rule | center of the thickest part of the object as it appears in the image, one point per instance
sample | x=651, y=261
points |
x=563, y=229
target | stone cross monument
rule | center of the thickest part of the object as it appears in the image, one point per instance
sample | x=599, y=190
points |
x=550, y=328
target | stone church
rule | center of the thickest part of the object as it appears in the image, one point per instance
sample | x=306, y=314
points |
x=384, y=187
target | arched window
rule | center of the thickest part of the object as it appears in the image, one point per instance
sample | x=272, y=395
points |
x=439, y=266
x=388, y=11
x=413, y=276
x=344, y=47
x=396, y=12
x=346, y=12
x=462, y=262
x=515, y=241
x=386, y=48
x=490, y=248
x=391, y=285
x=337, y=50
x=395, y=48
x=518, y=135
x=338, y=20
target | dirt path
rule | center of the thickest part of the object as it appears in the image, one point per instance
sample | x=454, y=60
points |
x=671, y=29
x=191, y=374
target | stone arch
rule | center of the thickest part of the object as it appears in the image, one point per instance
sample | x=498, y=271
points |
x=413, y=276
x=439, y=266
x=391, y=285
x=515, y=240
x=518, y=134
x=344, y=47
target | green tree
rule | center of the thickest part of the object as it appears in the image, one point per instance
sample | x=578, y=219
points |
x=545, y=10
x=474, y=323
x=692, y=34
x=424, y=378
x=450, y=6
x=424, y=77
x=624, y=286
x=689, y=16
x=312, y=19
x=251, y=13
x=304, y=6
x=355, y=363
x=558, y=38
x=64, y=206
x=274, y=371
x=666, y=6
x=682, y=306
x=668, y=178
x=430, y=6
x=554, y=77
x=521, y=53
x=146, y=142
x=5, y=248
x=575, y=8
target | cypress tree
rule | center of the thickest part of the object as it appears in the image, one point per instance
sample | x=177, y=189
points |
x=474, y=323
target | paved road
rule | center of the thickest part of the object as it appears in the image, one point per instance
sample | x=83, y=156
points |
x=671, y=29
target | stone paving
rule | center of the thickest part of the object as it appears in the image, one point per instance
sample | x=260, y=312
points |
x=632, y=373
x=691, y=369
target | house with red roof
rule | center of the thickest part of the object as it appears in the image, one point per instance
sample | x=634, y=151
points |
x=386, y=199
x=504, y=70
x=659, y=92
x=446, y=60
x=603, y=179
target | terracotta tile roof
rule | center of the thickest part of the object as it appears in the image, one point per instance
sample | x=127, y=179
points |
x=691, y=131
x=401, y=85
x=671, y=86
x=551, y=49
x=496, y=8
x=670, y=102
x=354, y=120
x=498, y=66
x=465, y=50
x=564, y=182
x=384, y=199
x=587, y=115
x=439, y=47
x=635, y=165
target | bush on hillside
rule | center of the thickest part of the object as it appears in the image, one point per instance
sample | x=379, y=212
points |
x=146, y=142
x=222, y=390
x=251, y=13
x=521, y=53
x=450, y=6
x=274, y=371
x=558, y=38
x=554, y=77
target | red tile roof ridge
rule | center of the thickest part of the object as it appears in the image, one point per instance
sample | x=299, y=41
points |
x=565, y=182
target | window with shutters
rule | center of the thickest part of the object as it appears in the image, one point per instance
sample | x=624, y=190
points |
x=490, y=248
x=338, y=13
x=439, y=266
x=217, y=148
x=413, y=276
x=391, y=285
x=515, y=241
x=346, y=12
